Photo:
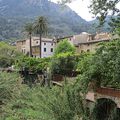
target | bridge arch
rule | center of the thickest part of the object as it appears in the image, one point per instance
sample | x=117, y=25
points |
x=114, y=99
x=104, y=109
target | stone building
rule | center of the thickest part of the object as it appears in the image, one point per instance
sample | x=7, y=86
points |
x=83, y=42
x=86, y=42
x=47, y=47
x=89, y=43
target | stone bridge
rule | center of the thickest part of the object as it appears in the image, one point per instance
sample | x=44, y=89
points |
x=108, y=93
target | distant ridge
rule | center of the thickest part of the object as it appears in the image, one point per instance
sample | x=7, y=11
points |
x=62, y=20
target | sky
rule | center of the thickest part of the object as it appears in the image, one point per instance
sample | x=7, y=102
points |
x=81, y=8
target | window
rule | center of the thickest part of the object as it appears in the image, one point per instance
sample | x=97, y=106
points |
x=82, y=51
x=44, y=43
x=51, y=49
x=23, y=42
x=24, y=50
x=36, y=42
x=44, y=49
x=88, y=50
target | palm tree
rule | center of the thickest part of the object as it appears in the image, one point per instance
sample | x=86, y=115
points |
x=29, y=30
x=40, y=27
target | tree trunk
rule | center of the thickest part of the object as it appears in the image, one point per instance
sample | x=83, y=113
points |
x=30, y=46
x=40, y=47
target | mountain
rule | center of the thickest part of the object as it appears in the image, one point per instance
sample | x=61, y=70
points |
x=62, y=20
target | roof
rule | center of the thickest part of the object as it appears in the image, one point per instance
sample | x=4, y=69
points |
x=43, y=39
x=37, y=38
x=86, y=38
x=20, y=40
x=81, y=38
x=85, y=33
x=64, y=37
x=95, y=41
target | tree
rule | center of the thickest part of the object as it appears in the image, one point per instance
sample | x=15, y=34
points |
x=64, y=1
x=102, y=8
x=29, y=30
x=8, y=55
x=64, y=47
x=40, y=27
x=64, y=53
x=115, y=25
x=10, y=87
x=103, y=67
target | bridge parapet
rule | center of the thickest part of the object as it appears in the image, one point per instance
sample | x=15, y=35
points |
x=108, y=93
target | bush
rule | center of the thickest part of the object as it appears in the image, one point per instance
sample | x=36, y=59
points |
x=8, y=55
x=64, y=47
x=47, y=104
x=34, y=65
x=103, y=67
x=10, y=85
x=64, y=63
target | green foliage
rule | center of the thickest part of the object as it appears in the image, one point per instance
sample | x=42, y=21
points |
x=64, y=59
x=101, y=8
x=64, y=47
x=10, y=85
x=10, y=28
x=13, y=22
x=8, y=55
x=102, y=68
x=32, y=64
x=41, y=25
x=64, y=105
x=64, y=63
x=46, y=104
x=84, y=62
x=115, y=25
x=30, y=69
x=107, y=63
x=29, y=28
x=112, y=114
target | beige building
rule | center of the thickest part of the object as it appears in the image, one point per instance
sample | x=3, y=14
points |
x=83, y=42
x=86, y=42
x=89, y=43
x=47, y=46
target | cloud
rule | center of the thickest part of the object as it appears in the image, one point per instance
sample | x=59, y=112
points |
x=81, y=8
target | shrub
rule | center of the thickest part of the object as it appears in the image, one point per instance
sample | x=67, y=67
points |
x=10, y=85
x=34, y=65
x=64, y=63
x=64, y=47
x=8, y=55
x=48, y=104
x=102, y=68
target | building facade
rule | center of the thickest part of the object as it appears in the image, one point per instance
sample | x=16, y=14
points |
x=47, y=47
x=86, y=42
x=91, y=43
x=83, y=42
